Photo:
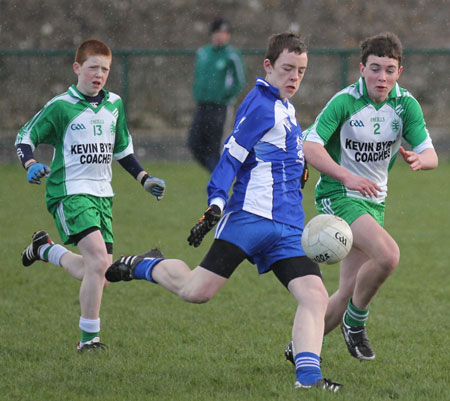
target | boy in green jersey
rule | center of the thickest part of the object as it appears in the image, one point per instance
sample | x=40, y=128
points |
x=353, y=143
x=87, y=128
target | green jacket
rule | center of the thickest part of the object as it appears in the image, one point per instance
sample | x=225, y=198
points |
x=219, y=74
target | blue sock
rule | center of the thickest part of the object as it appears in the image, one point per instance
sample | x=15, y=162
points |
x=143, y=270
x=307, y=368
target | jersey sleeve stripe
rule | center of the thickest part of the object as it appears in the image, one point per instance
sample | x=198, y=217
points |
x=236, y=150
x=239, y=69
x=426, y=144
x=313, y=136
x=127, y=151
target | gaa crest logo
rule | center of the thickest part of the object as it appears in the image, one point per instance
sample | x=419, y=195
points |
x=112, y=128
x=395, y=125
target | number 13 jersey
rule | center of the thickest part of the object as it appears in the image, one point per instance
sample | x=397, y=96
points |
x=86, y=139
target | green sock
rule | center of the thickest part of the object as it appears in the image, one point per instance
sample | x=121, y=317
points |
x=46, y=251
x=355, y=317
x=85, y=336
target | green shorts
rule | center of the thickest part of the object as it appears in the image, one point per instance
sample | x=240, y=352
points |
x=77, y=213
x=351, y=208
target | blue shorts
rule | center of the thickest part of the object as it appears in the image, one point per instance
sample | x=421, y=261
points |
x=264, y=241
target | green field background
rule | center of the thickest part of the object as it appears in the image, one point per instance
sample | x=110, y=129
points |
x=231, y=348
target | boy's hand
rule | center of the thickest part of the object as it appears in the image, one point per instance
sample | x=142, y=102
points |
x=36, y=171
x=156, y=186
x=204, y=225
x=412, y=158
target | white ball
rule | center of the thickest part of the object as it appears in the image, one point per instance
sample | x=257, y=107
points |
x=327, y=239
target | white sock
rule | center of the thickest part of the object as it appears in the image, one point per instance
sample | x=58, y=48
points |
x=90, y=325
x=55, y=253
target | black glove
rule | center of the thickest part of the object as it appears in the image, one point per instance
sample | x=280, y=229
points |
x=305, y=175
x=204, y=225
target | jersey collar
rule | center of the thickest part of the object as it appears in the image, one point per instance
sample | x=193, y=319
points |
x=275, y=91
x=73, y=91
x=362, y=89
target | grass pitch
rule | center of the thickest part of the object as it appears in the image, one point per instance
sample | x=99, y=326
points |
x=231, y=348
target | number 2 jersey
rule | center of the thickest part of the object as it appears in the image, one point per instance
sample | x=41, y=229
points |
x=264, y=156
x=85, y=138
x=365, y=137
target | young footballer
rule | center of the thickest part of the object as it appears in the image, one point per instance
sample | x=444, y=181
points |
x=354, y=143
x=87, y=128
x=263, y=219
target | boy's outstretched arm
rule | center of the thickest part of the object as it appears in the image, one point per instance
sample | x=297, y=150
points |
x=425, y=160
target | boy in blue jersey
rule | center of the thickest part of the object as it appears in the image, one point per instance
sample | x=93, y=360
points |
x=263, y=220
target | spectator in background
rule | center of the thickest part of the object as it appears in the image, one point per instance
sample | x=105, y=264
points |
x=219, y=77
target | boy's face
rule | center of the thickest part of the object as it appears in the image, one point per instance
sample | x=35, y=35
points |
x=92, y=74
x=287, y=72
x=380, y=74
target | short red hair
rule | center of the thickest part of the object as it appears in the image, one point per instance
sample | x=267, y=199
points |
x=91, y=47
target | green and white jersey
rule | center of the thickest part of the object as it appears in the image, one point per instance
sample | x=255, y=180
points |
x=365, y=137
x=85, y=138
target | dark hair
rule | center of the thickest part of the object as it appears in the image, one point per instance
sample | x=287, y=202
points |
x=91, y=47
x=220, y=24
x=385, y=44
x=291, y=41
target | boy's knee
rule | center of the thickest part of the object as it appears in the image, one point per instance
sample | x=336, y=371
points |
x=312, y=294
x=195, y=297
x=390, y=259
x=99, y=263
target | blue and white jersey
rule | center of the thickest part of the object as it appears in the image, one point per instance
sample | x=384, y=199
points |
x=265, y=156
